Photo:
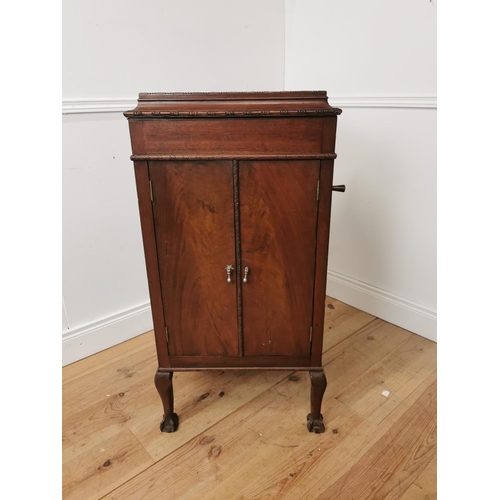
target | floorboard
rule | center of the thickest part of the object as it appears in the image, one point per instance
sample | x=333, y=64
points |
x=242, y=434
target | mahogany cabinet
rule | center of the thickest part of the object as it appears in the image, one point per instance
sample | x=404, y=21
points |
x=234, y=196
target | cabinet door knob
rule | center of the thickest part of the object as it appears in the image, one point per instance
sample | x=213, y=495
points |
x=340, y=188
x=245, y=278
x=229, y=270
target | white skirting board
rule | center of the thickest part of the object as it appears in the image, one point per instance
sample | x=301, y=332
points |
x=83, y=341
x=385, y=305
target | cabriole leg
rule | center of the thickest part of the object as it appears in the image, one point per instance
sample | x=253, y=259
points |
x=163, y=383
x=318, y=386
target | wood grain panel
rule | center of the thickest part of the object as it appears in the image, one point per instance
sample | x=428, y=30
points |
x=194, y=222
x=278, y=208
x=355, y=458
x=148, y=239
x=104, y=467
x=247, y=362
x=226, y=136
x=324, y=211
x=426, y=482
x=392, y=464
x=263, y=413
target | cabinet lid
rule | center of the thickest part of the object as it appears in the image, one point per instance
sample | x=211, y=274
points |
x=231, y=104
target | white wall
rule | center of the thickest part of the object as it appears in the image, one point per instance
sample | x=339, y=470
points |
x=377, y=60
x=111, y=52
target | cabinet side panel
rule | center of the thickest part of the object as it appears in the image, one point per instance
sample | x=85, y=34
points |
x=148, y=238
x=323, y=234
x=325, y=197
x=194, y=221
x=278, y=204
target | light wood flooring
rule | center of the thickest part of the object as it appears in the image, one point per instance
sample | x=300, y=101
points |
x=242, y=435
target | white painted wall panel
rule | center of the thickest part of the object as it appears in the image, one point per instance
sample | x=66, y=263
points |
x=384, y=225
x=65, y=325
x=379, y=59
x=382, y=255
x=361, y=47
x=111, y=52
x=103, y=260
x=118, y=49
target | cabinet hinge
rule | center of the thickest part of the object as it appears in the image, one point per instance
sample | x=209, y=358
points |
x=151, y=190
x=317, y=192
x=310, y=334
x=166, y=333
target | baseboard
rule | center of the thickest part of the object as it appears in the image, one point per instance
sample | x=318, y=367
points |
x=385, y=305
x=83, y=341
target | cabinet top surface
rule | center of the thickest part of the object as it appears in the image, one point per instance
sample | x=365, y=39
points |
x=231, y=104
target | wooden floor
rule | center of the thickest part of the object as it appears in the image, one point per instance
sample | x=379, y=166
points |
x=242, y=435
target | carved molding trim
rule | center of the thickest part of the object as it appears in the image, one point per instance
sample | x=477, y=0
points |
x=322, y=156
x=235, y=113
x=237, y=234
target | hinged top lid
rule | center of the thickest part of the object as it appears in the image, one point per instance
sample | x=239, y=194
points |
x=231, y=104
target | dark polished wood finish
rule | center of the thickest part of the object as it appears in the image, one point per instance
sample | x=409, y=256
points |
x=318, y=386
x=310, y=156
x=224, y=362
x=194, y=224
x=163, y=383
x=151, y=257
x=256, y=136
x=278, y=240
x=236, y=183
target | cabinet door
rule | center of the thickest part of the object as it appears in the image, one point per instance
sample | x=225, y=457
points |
x=278, y=203
x=194, y=222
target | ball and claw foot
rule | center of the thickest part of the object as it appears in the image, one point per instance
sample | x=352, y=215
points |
x=315, y=425
x=169, y=423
